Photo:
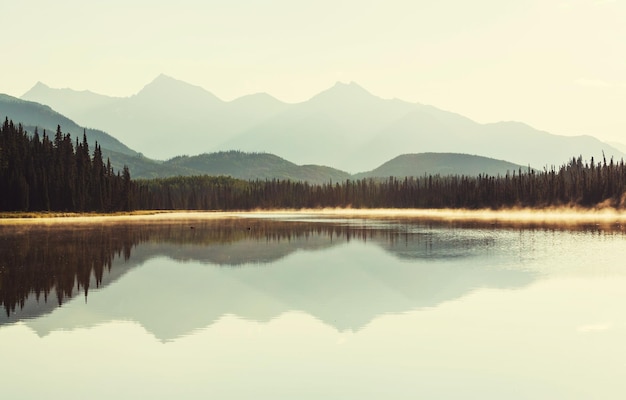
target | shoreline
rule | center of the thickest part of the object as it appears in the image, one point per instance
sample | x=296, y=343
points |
x=547, y=216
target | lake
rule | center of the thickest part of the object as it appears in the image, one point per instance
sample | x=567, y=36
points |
x=307, y=307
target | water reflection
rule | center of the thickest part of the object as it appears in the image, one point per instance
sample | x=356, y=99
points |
x=298, y=309
x=343, y=272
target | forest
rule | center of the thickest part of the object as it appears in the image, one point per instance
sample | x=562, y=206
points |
x=54, y=174
x=42, y=174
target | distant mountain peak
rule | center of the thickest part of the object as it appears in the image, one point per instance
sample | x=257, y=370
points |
x=166, y=78
x=41, y=89
x=37, y=88
x=163, y=79
x=169, y=87
x=40, y=84
x=351, y=83
x=341, y=91
x=350, y=86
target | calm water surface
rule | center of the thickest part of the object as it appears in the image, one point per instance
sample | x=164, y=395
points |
x=309, y=308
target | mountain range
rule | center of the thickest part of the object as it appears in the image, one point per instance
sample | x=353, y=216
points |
x=252, y=165
x=345, y=127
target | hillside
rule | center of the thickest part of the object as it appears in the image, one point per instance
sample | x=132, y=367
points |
x=250, y=166
x=344, y=126
x=441, y=164
x=32, y=114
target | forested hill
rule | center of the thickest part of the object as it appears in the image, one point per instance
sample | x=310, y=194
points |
x=32, y=115
x=441, y=164
x=576, y=184
x=37, y=116
x=250, y=166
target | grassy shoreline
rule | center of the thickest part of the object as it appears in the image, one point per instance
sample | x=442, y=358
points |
x=59, y=214
x=49, y=218
x=547, y=216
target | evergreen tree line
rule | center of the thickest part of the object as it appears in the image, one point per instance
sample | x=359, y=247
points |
x=574, y=184
x=43, y=174
x=55, y=174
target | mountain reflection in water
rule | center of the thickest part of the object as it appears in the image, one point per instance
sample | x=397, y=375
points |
x=345, y=273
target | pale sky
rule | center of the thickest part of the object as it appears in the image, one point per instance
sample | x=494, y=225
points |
x=559, y=66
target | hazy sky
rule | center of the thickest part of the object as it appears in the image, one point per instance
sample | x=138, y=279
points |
x=557, y=65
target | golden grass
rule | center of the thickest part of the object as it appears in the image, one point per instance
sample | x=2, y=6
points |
x=54, y=214
x=548, y=216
